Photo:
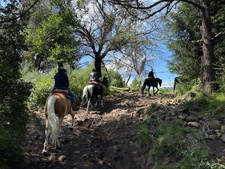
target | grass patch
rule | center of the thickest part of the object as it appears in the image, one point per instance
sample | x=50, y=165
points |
x=173, y=146
x=206, y=103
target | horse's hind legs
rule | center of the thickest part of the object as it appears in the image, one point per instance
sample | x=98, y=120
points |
x=149, y=94
x=102, y=104
x=72, y=115
x=47, y=133
x=88, y=104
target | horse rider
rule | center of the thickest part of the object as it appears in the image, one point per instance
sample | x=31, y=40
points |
x=93, y=76
x=62, y=82
x=151, y=74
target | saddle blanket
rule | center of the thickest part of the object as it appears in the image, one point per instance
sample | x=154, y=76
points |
x=61, y=91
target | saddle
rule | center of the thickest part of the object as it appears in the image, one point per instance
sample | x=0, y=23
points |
x=97, y=84
x=94, y=83
x=66, y=92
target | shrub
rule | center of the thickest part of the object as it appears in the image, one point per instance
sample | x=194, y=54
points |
x=115, y=79
x=136, y=84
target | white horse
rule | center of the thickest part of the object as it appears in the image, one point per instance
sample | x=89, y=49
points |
x=92, y=91
x=56, y=108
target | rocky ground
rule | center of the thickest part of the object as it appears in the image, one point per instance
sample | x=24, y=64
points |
x=107, y=139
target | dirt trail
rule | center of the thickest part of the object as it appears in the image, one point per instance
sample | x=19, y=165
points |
x=103, y=139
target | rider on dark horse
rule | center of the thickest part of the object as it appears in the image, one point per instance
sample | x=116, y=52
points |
x=151, y=75
x=62, y=82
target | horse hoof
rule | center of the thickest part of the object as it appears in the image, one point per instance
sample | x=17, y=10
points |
x=44, y=152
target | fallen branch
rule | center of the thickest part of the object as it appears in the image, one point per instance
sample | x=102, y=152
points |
x=119, y=88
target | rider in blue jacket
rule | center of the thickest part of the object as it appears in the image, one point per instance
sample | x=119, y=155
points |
x=62, y=82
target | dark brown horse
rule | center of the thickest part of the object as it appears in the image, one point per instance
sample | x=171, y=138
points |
x=56, y=108
x=151, y=82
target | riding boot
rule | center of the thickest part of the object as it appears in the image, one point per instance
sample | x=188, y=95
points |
x=74, y=106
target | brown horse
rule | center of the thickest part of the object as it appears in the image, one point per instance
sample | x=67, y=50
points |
x=57, y=106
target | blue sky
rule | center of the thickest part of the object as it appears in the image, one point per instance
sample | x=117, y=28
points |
x=161, y=70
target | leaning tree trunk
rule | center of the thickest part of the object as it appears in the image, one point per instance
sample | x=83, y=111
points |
x=208, y=53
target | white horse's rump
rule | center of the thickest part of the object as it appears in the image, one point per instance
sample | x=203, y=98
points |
x=57, y=102
x=86, y=91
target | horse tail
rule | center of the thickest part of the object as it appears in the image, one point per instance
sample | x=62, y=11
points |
x=53, y=119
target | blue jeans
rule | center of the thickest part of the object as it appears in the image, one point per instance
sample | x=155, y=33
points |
x=70, y=93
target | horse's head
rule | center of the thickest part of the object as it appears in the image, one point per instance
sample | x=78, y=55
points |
x=159, y=81
x=104, y=81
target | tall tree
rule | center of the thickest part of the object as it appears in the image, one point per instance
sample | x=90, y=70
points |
x=102, y=33
x=150, y=9
x=138, y=55
x=182, y=37
x=106, y=30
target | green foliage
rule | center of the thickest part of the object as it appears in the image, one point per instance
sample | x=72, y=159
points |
x=184, y=36
x=144, y=137
x=174, y=146
x=79, y=78
x=115, y=79
x=218, y=15
x=43, y=84
x=212, y=104
x=165, y=91
x=14, y=92
x=185, y=87
x=205, y=103
x=152, y=108
x=219, y=164
x=54, y=37
x=183, y=30
x=136, y=84
x=221, y=77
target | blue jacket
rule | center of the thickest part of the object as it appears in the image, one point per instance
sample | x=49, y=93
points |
x=61, y=80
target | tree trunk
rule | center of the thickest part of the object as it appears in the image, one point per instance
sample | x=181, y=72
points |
x=98, y=62
x=208, y=54
x=128, y=79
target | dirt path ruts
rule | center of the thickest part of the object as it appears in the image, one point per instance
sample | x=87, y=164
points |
x=100, y=140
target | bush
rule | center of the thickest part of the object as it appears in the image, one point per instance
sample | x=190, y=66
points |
x=136, y=84
x=182, y=88
x=44, y=82
x=115, y=79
